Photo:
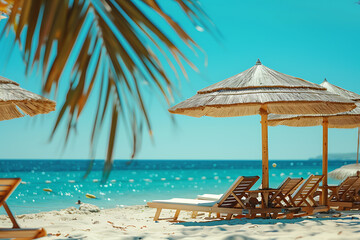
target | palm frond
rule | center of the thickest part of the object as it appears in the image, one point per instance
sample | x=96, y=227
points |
x=108, y=41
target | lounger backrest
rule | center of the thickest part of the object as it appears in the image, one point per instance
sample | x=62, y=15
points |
x=346, y=185
x=284, y=183
x=352, y=192
x=7, y=186
x=307, y=188
x=290, y=186
x=237, y=191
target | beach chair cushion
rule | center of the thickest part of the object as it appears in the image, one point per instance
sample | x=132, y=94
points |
x=187, y=201
x=213, y=197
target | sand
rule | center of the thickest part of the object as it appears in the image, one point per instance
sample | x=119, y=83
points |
x=135, y=222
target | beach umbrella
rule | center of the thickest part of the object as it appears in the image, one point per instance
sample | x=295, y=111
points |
x=345, y=171
x=16, y=102
x=350, y=119
x=350, y=169
x=261, y=90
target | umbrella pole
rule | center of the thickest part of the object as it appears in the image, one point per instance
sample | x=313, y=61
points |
x=324, y=197
x=357, y=155
x=265, y=153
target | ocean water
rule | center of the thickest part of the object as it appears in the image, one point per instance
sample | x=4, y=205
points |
x=136, y=182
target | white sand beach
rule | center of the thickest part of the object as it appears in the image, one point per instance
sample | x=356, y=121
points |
x=135, y=222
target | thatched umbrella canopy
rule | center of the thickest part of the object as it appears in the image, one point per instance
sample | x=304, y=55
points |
x=350, y=119
x=261, y=90
x=15, y=102
x=345, y=171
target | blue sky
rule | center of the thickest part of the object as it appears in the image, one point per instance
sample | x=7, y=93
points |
x=307, y=39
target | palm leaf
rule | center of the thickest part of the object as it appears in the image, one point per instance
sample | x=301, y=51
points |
x=111, y=41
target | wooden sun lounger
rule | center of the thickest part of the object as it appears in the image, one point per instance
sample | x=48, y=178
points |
x=7, y=186
x=353, y=192
x=304, y=198
x=280, y=198
x=273, y=200
x=299, y=203
x=232, y=202
x=346, y=195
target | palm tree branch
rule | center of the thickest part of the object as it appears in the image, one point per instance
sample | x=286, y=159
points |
x=106, y=41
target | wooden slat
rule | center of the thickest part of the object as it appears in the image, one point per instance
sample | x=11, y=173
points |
x=9, y=181
x=26, y=233
x=14, y=182
x=5, y=188
x=3, y=193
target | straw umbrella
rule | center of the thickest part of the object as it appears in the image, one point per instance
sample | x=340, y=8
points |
x=15, y=102
x=350, y=169
x=345, y=171
x=350, y=119
x=261, y=90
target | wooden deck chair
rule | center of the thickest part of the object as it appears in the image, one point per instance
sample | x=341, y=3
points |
x=280, y=197
x=353, y=192
x=344, y=190
x=7, y=186
x=346, y=195
x=303, y=202
x=304, y=197
x=232, y=202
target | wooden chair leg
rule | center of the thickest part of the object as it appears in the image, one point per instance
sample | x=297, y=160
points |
x=313, y=201
x=250, y=216
x=292, y=202
x=42, y=233
x=194, y=214
x=310, y=212
x=228, y=217
x=157, y=214
x=304, y=200
x=287, y=204
x=218, y=215
x=176, y=215
x=11, y=216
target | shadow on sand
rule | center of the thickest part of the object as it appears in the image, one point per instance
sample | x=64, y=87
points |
x=260, y=221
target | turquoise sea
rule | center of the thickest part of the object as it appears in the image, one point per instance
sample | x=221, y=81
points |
x=136, y=182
